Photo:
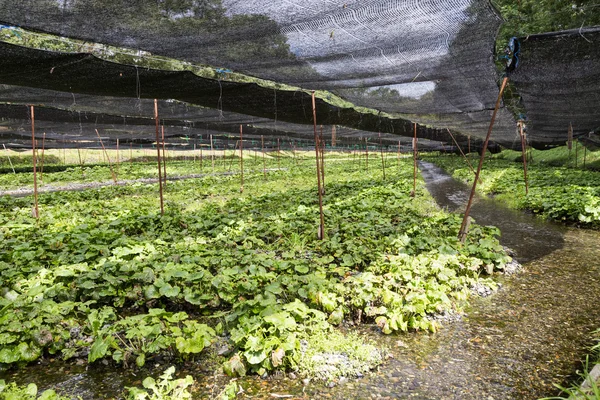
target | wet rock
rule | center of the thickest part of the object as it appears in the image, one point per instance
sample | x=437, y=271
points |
x=594, y=376
x=223, y=350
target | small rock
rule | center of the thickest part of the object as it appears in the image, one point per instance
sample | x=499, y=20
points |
x=343, y=380
x=292, y=375
x=305, y=381
x=331, y=384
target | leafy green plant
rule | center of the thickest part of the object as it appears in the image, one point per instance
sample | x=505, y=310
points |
x=11, y=391
x=163, y=388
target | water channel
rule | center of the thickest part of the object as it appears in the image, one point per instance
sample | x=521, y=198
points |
x=512, y=345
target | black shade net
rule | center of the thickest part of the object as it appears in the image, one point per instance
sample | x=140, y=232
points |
x=426, y=61
x=559, y=83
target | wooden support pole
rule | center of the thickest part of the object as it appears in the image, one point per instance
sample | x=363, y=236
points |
x=414, y=145
x=235, y=146
x=36, y=210
x=118, y=158
x=469, y=144
x=584, y=155
x=160, y=181
x=212, y=153
x=43, y=151
x=9, y=161
x=131, y=152
x=398, y=157
x=367, y=153
x=80, y=162
x=570, y=140
x=322, y=149
x=321, y=231
x=278, y=154
x=463, y=154
x=242, y=159
x=382, y=159
x=576, y=151
x=462, y=233
x=201, y=155
x=107, y=157
x=164, y=155
x=524, y=155
x=262, y=147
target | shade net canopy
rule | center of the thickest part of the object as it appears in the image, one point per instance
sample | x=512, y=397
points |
x=70, y=120
x=559, y=83
x=425, y=61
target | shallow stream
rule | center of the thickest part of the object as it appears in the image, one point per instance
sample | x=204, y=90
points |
x=512, y=345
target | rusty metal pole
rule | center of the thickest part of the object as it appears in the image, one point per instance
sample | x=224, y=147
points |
x=463, y=154
x=160, y=181
x=242, y=158
x=524, y=155
x=462, y=233
x=414, y=144
x=112, y=172
x=321, y=232
x=36, y=210
x=164, y=155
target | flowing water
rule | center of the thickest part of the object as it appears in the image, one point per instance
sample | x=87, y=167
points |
x=512, y=345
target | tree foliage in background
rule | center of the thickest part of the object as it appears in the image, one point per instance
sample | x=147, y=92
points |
x=527, y=17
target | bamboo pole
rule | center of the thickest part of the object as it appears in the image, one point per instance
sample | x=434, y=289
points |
x=36, y=210
x=107, y=157
x=160, y=181
x=321, y=231
x=9, y=161
x=242, y=158
x=463, y=154
x=524, y=155
x=414, y=143
x=462, y=233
